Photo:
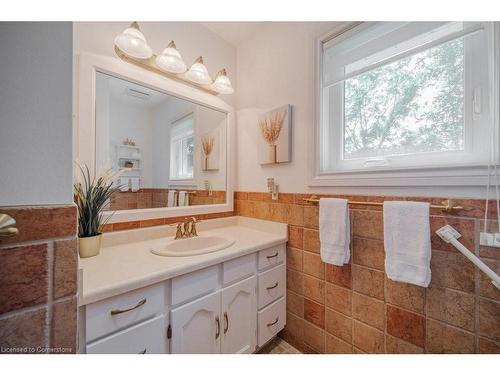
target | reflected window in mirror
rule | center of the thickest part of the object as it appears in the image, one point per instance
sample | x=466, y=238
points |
x=182, y=148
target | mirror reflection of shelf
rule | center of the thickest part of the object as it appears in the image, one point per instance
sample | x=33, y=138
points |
x=131, y=155
x=126, y=169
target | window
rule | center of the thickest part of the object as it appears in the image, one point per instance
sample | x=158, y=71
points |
x=182, y=148
x=403, y=95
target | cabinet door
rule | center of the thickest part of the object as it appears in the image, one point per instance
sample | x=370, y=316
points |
x=239, y=317
x=196, y=326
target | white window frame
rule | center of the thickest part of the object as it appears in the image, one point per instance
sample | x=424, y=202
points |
x=452, y=173
x=183, y=178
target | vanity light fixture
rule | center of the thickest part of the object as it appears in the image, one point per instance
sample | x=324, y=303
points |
x=170, y=60
x=131, y=47
x=133, y=43
x=222, y=84
x=198, y=73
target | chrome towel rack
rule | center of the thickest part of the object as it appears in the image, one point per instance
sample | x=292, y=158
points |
x=447, y=206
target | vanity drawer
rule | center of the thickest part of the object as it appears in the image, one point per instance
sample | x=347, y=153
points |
x=272, y=256
x=148, y=337
x=239, y=268
x=272, y=285
x=194, y=284
x=271, y=320
x=124, y=310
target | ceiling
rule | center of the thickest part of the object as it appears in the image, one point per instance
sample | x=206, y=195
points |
x=234, y=32
x=118, y=89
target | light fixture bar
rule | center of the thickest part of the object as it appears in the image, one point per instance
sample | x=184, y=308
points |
x=149, y=64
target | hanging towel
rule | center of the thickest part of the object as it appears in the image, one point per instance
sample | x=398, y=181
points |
x=407, y=242
x=171, y=198
x=334, y=231
x=135, y=184
x=182, y=198
x=124, y=183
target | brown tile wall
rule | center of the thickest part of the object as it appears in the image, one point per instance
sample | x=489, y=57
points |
x=153, y=198
x=357, y=309
x=159, y=221
x=38, y=281
x=202, y=197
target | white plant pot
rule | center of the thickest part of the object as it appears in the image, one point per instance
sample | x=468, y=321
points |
x=89, y=246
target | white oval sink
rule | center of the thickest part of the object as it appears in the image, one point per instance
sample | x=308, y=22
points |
x=193, y=246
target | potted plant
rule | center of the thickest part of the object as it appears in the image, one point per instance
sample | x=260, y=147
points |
x=91, y=197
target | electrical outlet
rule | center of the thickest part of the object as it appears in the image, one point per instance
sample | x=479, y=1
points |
x=489, y=239
x=486, y=239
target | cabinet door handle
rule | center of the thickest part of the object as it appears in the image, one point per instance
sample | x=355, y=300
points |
x=272, y=256
x=217, y=328
x=273, y=323
x=143, y=351
x=226, y=320
x=139, y=304
x=272, y=287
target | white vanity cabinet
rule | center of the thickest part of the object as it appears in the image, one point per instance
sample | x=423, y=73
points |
x=197, y=326
x=232, y=307
x=222, y=322
x=238, y=314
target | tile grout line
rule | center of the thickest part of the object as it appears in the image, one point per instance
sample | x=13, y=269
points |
x=34, y=242
x=50, y=289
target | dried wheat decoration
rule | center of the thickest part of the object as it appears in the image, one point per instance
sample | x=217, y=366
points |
x=270, y=129
x=207, y=143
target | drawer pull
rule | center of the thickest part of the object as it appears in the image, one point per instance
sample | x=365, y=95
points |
x=139, y=304
x=273, y=323
x=272, y=287
x=217, y=330
x=226, y=319
x=142, y=352
x=272, y=256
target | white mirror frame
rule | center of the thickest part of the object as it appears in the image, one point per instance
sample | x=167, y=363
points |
x=88, y=66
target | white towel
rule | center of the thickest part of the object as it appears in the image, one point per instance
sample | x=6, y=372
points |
x=407, y=242
x=171, y=198
x=135, y=184
x=124, y=183
x=182, y=198
x=334, y=231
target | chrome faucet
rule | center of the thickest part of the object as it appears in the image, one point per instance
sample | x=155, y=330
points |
x=186, y=229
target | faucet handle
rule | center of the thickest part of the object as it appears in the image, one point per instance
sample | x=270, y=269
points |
x=193, y=227
x=180, y=233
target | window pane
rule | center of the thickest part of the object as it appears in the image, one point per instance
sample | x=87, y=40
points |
x=413, y=105
x=187, y=156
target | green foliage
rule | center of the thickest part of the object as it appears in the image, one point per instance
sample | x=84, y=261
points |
x=91, y=198
x=411, y=105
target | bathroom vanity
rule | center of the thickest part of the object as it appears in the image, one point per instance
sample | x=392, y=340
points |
x=230, y=300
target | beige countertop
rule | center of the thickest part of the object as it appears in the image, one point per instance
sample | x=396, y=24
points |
x=126, y=262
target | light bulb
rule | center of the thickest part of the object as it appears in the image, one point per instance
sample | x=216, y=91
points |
x=222, y=84
x=133, y=43
x=198, y=73
x=170, y=60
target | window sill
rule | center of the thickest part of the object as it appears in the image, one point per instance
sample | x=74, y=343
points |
x=445, y=176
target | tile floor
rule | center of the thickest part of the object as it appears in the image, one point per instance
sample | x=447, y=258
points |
x=278, y=346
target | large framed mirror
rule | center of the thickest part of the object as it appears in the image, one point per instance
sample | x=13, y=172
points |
x=170, y=141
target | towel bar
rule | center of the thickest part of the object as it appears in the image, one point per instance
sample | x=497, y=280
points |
x=447, y=205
